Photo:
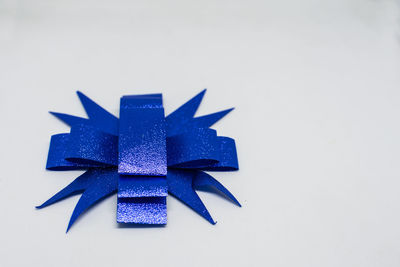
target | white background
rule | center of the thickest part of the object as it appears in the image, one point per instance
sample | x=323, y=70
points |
x=317, y=124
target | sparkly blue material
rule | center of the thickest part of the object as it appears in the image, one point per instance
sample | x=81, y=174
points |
x=194, y=149
x=142, y=161
x=94, y=184
x=182, y=119
x=142, y=186
x=181, y=184
x=88, y=145
x=142, y=144
x=98, y=117
x=130, y=156
x=56, y=158
x=150, y=210
x=227, y=156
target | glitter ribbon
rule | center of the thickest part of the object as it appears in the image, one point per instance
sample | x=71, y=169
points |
x=142, y=156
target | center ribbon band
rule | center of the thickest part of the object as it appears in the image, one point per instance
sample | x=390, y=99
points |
x=142, y=164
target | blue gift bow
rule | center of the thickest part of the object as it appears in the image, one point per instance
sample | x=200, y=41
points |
x=92, y=144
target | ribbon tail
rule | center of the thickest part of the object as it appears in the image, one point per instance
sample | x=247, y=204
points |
x=77, y=186
x=209, y=120
x=104, y=185
x=98, y=116
x=206, y=181
x=69, y=119
x=180, y=185
x=187, y=110
x=176, y=121
x=183, y=118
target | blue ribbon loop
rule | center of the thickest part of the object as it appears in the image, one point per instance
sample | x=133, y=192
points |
x=142, y=156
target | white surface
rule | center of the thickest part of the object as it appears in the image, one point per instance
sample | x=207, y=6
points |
x=316, y=90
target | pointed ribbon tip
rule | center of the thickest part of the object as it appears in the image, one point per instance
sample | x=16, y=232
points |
x=177, y=120
x=209, y=120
